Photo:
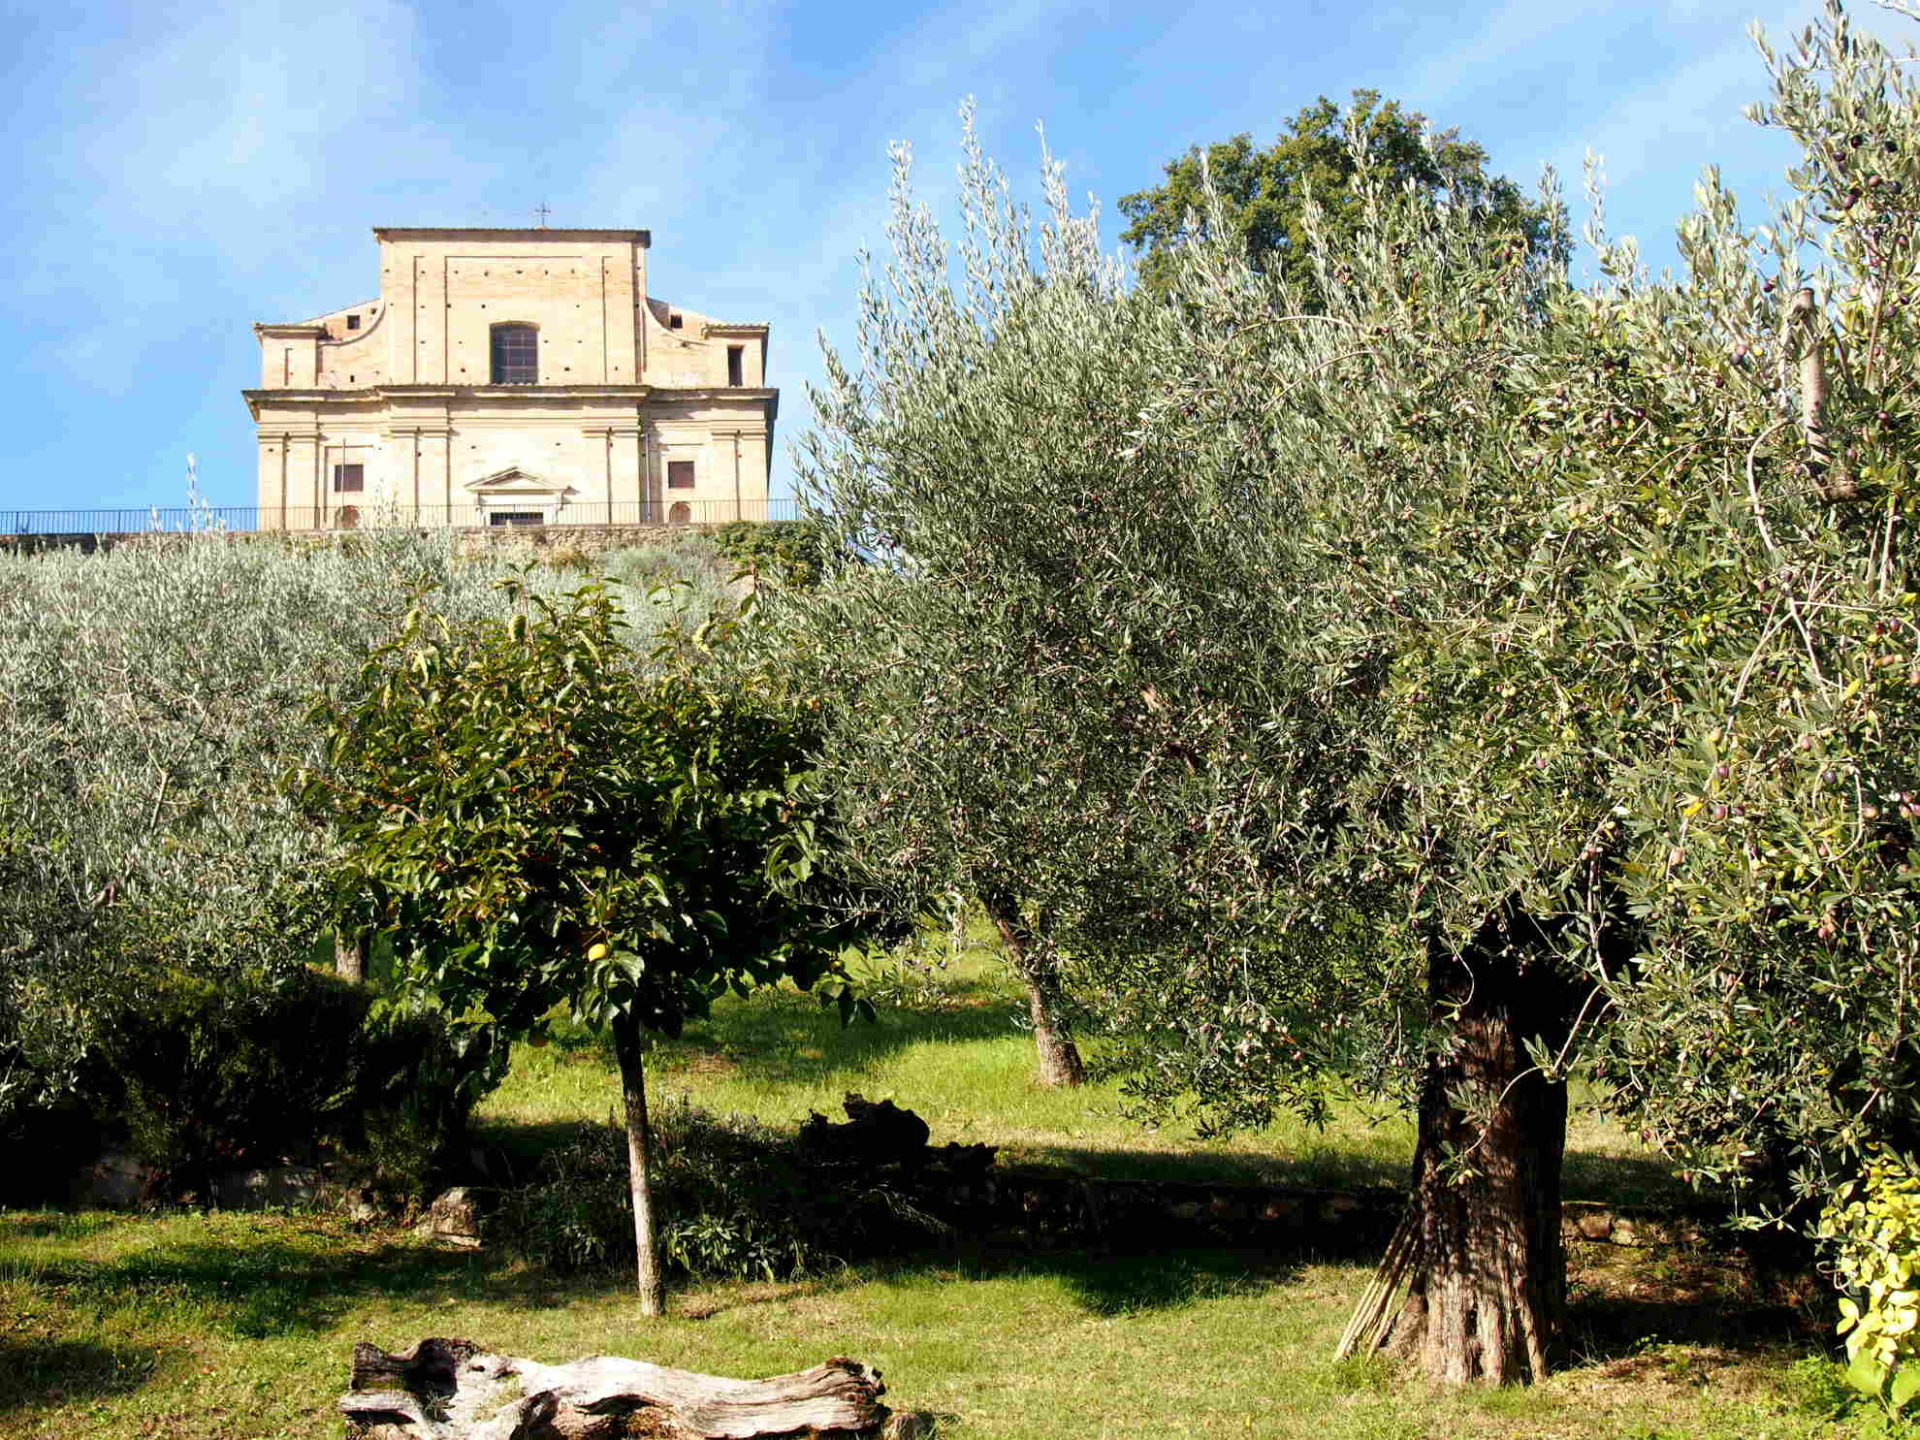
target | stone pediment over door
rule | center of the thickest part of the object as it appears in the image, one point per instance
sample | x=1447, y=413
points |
x=518, y=497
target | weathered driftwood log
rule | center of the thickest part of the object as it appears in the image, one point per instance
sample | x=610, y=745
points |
x=455, y=1390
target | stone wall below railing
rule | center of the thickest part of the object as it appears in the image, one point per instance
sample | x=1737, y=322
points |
x=535, y=540
x=1022, y=1208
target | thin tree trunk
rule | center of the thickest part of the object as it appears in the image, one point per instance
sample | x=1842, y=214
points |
x=1487, y=1278
x=1059, y=1057
x=629, y=1047
x=350, y=957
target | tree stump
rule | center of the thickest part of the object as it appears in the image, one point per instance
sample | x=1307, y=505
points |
x=456, y=1390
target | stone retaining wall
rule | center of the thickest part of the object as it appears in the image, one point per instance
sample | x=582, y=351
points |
x=1037, y=1207
x=1026, y=1208
x=529, y=539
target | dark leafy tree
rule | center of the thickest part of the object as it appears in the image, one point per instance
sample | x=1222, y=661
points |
x=1257, y=198
x=543, y=819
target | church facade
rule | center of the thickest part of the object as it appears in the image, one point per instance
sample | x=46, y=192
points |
x=512, y=377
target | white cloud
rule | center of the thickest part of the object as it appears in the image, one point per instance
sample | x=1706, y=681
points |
x=1513, y=29
x=224, y=148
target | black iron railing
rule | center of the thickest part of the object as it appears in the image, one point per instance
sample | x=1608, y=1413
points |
x=351, y=513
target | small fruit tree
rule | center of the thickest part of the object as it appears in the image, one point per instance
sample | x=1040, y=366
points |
x=543, y=818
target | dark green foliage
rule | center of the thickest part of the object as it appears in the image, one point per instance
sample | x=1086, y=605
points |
x=215, y=1078
x=1262, y=193
x=785, y=552
x=541, y=817
x=745, y=1201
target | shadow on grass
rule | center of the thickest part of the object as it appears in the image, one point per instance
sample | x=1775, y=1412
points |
x=70, y=1225
x=1319, y=1168
x=1137, y=1284
x=1627, y=1305
x=260, y=1288
x=1105, y=1285
x=1627, y=1180
x=1610, y=1332
x=36, y=1374
x=788, y=1038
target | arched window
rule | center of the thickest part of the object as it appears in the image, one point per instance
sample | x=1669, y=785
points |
x=680, y=514
x=516, y=355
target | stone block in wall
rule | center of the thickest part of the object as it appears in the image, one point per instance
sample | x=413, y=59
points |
x=454, y=1218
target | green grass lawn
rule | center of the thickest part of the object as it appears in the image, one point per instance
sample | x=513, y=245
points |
x=234, y=1327
x=239, y=1327
x=949, y=1046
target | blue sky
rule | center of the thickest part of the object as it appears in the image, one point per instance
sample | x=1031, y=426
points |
x=182, y=170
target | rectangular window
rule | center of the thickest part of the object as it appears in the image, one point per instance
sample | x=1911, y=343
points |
x=673, y=322
x=679, y=474
x=353, y=322
x=349, y=477
x=736, y=364
x=516, y=517
x=516, y=355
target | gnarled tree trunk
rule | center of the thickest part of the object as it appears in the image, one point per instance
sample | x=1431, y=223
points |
x=629, y=1048
x=455, y=1390
x=1482, y=1254
x=1032, y=961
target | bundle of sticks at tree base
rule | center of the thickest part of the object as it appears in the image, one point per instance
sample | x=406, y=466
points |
x=457, y=1390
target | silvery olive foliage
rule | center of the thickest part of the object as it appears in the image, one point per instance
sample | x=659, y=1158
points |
x=1471, y=599
x=152, y=699
x=966, y=693
x=1037, y=645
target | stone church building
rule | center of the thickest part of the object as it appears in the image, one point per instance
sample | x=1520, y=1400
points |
x=512, y=377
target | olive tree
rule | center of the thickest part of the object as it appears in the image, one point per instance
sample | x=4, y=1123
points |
x=151, y=697
x=1505, y=676
x=950, y=673
x=949, y=775
x=543, y=818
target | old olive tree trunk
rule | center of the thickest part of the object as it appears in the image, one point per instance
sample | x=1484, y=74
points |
x=1479, y=1256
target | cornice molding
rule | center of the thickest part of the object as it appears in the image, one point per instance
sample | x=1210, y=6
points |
x=360, y=395
x=310, y=394
x=642, y=238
